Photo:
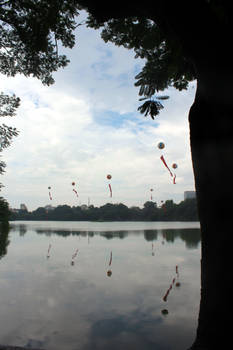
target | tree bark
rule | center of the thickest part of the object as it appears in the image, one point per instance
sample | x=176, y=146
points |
x=211, y=138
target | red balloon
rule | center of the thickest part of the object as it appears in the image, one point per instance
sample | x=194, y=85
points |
x=73, y=183
x=109, y=177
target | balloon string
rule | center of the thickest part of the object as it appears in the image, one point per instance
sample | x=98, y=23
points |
x=50, y=245
x=174, y=179
x=75, y=192
x=110, y=261
x=75, y=254
x=164, y=162
x=170, y=287
x=110, y=188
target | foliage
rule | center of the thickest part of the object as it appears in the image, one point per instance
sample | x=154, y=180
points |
x=184, y=211
x=165, y=62
x=30, y=33
x=8, y=106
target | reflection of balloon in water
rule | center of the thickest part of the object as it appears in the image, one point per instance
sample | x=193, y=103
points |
x=173, y=282
x=164, y=312
x=109, y=272
x=161, y=145
x=48, y=255
x=110, y=261
x=152, y=249
x=74, y=256
x=109, y=185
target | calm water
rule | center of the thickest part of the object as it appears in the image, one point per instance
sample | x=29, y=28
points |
x=110, y=295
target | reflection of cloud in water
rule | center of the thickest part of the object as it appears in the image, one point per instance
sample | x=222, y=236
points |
x=136, y=331
x=81, y=308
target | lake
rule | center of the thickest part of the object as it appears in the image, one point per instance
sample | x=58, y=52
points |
x=100, y=285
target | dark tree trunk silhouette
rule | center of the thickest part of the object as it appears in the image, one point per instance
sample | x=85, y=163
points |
x=211, y=137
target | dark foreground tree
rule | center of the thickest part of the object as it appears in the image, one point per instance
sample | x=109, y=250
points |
x=183, y=40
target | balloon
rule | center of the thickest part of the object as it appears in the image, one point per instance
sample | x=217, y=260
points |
x=161, y=145
x=151, y=193
x=73, y=184
x=50, y=196
x=174, y=165
x=109, y=185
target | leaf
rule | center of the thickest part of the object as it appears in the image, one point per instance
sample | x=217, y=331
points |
x=165, y=97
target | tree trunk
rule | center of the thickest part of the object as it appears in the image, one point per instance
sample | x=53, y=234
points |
x=211, y=137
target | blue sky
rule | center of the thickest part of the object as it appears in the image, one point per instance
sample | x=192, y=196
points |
x=87, y=125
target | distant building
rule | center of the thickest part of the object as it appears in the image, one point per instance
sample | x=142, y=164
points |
x=14, y=210
x=49, y=207
x=23, y=207
x=189, y=194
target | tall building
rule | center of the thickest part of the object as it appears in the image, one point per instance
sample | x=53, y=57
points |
x=23, y=207
x=189, y=194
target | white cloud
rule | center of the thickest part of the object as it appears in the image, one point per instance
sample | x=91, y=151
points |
x=87, y=125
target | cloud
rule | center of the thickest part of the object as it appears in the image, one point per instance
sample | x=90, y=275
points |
x=86, y=125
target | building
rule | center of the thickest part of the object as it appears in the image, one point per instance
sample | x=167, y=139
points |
x=23, y=207
x=49, y=207
x=189, y=194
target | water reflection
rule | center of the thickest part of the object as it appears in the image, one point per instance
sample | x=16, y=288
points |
x=4, y=240
x=109, y=272
x=60, y=292
x=191, y=236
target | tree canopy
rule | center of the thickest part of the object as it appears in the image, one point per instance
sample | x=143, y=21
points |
x=169, y=211
x=165, y=63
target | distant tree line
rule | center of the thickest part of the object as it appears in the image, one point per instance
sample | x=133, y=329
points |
x=169, y=211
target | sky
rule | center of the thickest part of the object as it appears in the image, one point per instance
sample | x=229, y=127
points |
x=86, y=126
